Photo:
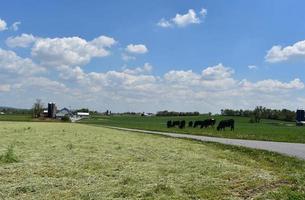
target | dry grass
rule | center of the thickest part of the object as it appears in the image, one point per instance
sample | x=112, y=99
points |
x=74, y=161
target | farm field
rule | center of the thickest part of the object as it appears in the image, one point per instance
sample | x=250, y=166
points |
x=271, y=130
x=75, y=161
x=16, y=117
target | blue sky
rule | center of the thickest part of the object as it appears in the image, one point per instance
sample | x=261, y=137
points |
x=199, y=61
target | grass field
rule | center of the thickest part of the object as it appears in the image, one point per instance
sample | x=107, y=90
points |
x=75, y=161
x=272, y=130
x=16, y=117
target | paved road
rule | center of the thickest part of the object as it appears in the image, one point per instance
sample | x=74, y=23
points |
x=290, y=149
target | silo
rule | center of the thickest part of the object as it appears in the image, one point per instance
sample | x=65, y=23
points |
x=300, y=116
x=51, y=110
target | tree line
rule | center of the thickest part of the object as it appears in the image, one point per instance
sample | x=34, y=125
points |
x=261, y=112
x=173, y=113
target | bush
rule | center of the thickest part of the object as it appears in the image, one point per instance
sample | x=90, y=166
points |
x=66, y=119
x=9, y=156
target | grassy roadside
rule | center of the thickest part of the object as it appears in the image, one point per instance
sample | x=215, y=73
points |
x=269, y=130
x=68, y=161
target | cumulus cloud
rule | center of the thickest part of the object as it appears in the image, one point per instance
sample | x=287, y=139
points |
x=278, y=53
x=164, y=23
x=24, y=40
x=3, y=25
x=270, y=85
x=147, y=68
x=15, y=26
x=71, y=51
x=211, y=89
x=136, y=48
x=217, y=72
x=103, y=41
x=182, y=20
x=12, y=63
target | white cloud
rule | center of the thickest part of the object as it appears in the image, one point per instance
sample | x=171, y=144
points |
x=3, y=25
x=147, y=68
x=217, y=72
x=136, y=48
x=15, y=26
x=203, y=12
x=44, y=84
x=278, y=53
x=252, y=67
x=103, y=41
x=213, y=78
x=164, y=23
x=182, y=20
x=186, y=19
x=12, y=63
x=270, y=85
x=137, y=89
x=24, y=40
x=71, y=51
x=5, y=88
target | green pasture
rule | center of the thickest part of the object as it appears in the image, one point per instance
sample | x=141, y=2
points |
x=16, y=117
x=272, y=130
x=75, y=161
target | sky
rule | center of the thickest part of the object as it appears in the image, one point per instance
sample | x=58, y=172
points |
x=147, y=56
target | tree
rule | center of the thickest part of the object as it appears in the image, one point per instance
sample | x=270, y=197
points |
x=37, y=108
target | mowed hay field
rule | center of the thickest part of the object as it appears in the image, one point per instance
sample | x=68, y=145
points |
x=75, y=161
x=270, y=130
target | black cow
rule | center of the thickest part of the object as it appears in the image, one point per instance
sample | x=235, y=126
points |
x=197, y=123
x=205, y=123
x=169, y=124
x=180, y=124
x=226, y=123
x=175, y=123
x=190, y=123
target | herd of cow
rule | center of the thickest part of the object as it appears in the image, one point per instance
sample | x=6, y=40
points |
x=204, y=123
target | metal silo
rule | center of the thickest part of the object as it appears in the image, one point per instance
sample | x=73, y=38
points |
x=51, y=110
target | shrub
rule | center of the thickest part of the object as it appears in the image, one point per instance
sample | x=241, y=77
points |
x=9, y=156
x=65, y=119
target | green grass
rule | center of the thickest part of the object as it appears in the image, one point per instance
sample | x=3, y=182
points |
x=16, y=117
x=75, y=161
x=271, y=130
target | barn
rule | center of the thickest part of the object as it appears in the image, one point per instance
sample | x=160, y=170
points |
x=64, y=112
x=83, y=114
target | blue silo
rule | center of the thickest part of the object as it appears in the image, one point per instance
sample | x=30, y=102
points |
x=300, y=115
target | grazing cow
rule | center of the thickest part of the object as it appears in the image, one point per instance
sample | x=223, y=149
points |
x=175, y=123
x=182, y=124
x=205, y=123
x=197, y=123
x=169, y=124
x=226, y=123
x=190, y=123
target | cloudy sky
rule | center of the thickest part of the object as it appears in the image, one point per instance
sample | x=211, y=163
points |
x=153, y=55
